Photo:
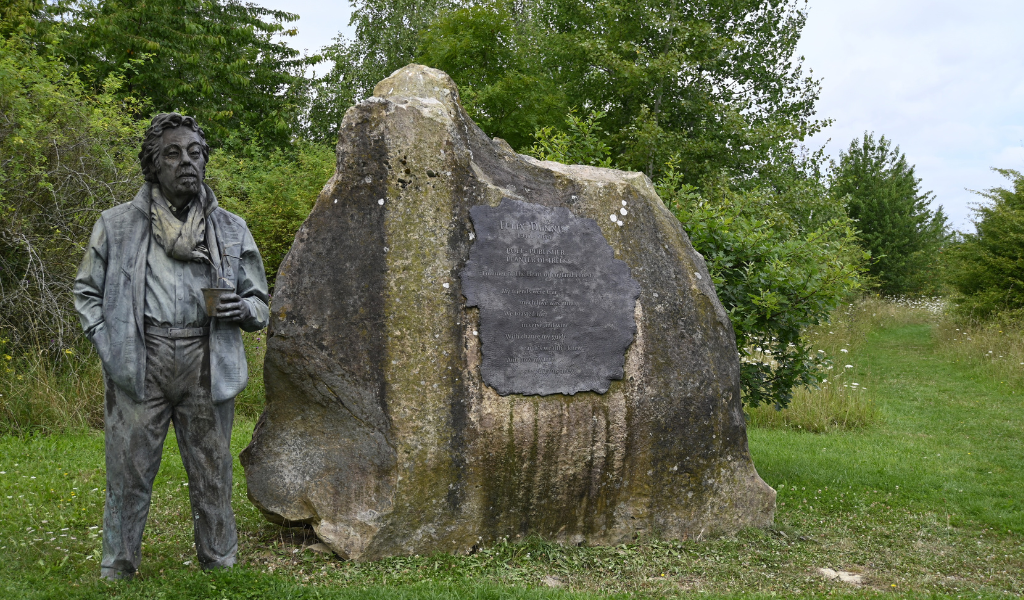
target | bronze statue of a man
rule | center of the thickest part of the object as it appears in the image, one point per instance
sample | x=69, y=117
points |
x=139, y=295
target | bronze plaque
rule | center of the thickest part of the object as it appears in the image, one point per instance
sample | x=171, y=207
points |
x=556, y=306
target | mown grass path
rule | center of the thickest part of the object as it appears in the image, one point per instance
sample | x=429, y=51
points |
x=952, y=437
x=930, y=498
x=926, y=502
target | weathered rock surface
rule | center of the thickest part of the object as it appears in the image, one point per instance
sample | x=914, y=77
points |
x=379, y=430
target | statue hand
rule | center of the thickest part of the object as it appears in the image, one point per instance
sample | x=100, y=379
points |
x=232, y=309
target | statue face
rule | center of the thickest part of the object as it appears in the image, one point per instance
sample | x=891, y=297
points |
x=181, y=167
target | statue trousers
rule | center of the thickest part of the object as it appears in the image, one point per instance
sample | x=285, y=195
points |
x=177, y=390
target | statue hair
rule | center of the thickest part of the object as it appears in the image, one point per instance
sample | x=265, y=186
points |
x=151, y=143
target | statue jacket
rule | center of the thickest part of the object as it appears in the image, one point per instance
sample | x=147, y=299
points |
x=110, y=295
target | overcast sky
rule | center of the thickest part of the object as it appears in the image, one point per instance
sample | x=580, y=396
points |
x=943, y=79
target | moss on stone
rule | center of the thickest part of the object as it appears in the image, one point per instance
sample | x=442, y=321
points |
x=661, y=453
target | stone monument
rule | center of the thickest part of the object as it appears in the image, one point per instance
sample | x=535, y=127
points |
x=467, y=343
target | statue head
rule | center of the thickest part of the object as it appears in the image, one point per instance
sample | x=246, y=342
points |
x=174, y=154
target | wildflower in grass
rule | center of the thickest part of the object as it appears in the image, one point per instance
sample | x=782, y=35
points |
x=849, y=366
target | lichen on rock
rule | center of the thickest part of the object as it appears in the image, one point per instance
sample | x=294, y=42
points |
x=379, y=430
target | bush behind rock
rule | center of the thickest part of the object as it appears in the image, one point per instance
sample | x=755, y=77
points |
x=65, y=156
x=273, y=190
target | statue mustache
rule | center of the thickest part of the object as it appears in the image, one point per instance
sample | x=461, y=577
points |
x=187, y=172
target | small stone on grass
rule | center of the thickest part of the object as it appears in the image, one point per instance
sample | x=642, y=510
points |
x=319, y=547
x=844, y=576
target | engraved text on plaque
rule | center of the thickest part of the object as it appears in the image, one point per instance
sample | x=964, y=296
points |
x=556, y=306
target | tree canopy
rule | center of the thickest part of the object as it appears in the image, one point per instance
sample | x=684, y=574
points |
x=896, y=224
x=218, y=61
x=989, y=264
x=713, y=83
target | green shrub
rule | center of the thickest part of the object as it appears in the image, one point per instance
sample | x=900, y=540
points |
x=273, y=190
x=581, y=144
x=778, y=269
x=66, y=155
x=988, y=265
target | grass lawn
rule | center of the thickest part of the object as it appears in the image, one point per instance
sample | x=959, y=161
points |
x=927, y=501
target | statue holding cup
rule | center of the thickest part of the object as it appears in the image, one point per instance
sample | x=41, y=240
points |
x=168, y=283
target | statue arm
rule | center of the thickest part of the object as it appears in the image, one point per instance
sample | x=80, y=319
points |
x=89, y=284
x=251, y=285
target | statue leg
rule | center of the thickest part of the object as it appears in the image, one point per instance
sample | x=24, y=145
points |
x=134, y=434
x=204, y=440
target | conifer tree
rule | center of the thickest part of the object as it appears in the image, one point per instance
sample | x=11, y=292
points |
x=896, y=225
x=988, y=268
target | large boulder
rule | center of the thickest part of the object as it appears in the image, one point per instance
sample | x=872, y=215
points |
x=381, y=431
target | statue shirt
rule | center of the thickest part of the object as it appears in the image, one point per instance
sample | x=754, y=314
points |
x=174, y=295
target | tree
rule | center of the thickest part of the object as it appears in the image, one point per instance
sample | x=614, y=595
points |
x=896, y=224
x=488, y=50
x=30, y=20
x=66, y=155
x=713, y=83
x=387, y=34
x=214, y=59
x=781, y=262
x=988, y=265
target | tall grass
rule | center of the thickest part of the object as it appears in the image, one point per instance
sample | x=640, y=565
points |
x=843, y=400
x=249, y=404
x=39, y=393
x=996, y=348
x=831, y=406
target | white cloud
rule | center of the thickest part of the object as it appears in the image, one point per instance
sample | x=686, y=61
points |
x=318, y=24
x=939, y=78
